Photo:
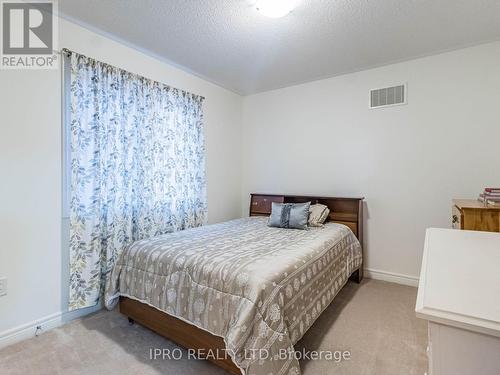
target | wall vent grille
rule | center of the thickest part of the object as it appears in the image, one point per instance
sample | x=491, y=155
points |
x=388, y=96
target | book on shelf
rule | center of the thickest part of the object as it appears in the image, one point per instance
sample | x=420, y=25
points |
x=490, y=200
x=492, y=190
x=491, y=194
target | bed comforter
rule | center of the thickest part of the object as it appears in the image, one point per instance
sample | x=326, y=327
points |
x=255, y=286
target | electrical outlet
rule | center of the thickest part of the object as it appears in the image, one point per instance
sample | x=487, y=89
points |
x=3, y=286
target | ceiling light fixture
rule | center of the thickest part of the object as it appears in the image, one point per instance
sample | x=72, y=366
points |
x=276, y=8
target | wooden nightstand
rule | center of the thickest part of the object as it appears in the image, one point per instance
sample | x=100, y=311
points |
x=471, y=214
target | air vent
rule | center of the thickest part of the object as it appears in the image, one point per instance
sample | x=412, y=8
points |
x=388, y=96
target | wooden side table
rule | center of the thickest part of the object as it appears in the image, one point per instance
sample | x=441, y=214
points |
x=471, y=214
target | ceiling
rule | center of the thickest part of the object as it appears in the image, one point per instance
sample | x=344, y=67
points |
x=230, y=43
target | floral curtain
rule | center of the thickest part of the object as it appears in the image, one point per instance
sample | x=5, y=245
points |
x=137, y=167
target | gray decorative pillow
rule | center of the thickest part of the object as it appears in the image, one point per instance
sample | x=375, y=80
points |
x=318, y=214
x=289, y=215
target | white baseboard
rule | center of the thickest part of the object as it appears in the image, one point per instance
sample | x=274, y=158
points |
x=391, y=277
x=47, y=323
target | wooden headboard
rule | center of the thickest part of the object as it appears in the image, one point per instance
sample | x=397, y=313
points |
x=347, y=211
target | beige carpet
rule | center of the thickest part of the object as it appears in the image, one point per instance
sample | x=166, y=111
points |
x=375, y=321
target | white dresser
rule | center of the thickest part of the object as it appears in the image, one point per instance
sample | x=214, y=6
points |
x=459, y=296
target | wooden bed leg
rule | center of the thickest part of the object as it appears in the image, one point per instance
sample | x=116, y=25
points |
x=131, y=321
x=357, y=276
x=360, y=275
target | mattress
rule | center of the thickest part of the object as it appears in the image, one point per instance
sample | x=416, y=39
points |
x=260, y=288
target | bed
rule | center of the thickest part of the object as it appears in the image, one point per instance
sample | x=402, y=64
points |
x=240, y=293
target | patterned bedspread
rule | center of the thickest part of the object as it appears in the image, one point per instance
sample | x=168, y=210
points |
x=255, y=286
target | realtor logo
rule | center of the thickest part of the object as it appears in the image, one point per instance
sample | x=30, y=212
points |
x=28, y=34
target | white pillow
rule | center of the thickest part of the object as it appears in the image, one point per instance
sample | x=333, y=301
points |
x=318, y=213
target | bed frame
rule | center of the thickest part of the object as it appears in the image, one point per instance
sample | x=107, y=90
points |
x=347, y=211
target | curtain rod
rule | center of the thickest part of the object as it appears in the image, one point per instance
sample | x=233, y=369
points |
x=67, y=52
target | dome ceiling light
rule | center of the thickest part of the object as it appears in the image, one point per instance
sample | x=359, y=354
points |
x=276, y=8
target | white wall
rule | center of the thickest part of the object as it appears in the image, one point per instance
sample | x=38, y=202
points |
x=31, y=252
x=408, y=161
